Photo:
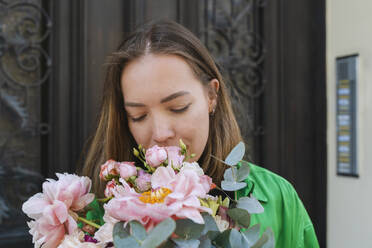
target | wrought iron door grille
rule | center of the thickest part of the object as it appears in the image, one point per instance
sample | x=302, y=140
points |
x=232, y=31
x=25, y=69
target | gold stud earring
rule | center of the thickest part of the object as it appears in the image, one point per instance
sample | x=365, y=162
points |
x=213, y=110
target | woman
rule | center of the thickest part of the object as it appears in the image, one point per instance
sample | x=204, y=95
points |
x=162, y=85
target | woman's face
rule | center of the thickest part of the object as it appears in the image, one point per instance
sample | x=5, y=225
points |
x=165, y=102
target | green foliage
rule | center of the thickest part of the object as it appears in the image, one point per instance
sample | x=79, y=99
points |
x=240, y=216
x=188, y=229
x=134, y=234
x=193, y=235
x=96, y=212
x=236, y=154
x=251, y=204
x=236, y=174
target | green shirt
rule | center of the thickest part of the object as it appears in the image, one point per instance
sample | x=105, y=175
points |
x=284, y=211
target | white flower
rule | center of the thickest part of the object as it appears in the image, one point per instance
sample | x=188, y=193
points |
x=37, y=238
x=104, y=233
x=75, y=240
x=192, y=166
x=221, y=224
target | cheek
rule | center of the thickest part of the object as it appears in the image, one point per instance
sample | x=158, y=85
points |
x=194, y=131
x=139, y=132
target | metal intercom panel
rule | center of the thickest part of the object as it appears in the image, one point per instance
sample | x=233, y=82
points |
x=346, y=121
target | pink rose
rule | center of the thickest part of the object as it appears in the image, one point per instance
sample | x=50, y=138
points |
x=175, y=158
x=155, y=156
x=109, y=188
x=143, y=181
x=108, y=168
x=127, y=170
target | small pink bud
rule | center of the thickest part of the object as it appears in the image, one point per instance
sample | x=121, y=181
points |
x=155, y=156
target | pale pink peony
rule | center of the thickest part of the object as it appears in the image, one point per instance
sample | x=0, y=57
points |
x=104, y=233
x=108, y=168
x=192, y=166
x=76, y=240
x=175, y=158
x=127, y=169
x=109, y=187
x=155, y=156
x=176, y=195
x=53, y=209
x=143, y=181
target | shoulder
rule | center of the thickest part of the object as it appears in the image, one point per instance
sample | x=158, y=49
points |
x=281, y=200
x=265, y=178
x=271, y=188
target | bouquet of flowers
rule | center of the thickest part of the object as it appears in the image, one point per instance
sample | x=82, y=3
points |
x=164, y=203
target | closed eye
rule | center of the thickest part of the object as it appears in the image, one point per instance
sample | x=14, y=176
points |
x=181, y=109
x=138, y=118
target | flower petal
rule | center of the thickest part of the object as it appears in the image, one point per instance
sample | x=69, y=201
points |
x=34, y=206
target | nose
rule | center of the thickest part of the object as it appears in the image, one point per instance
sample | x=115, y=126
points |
x=162, y=131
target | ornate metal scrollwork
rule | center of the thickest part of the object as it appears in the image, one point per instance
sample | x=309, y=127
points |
x=232, y=31
x=25, y=66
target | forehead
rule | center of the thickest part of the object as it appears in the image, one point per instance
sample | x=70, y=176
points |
x=157, y=75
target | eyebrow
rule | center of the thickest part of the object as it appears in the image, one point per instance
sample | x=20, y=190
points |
x=166, y=99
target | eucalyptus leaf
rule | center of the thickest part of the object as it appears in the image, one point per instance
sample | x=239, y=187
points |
x=232, y=186
x=122, y=238
x=209, y=224
x=205, y=242
x=243, y=172
x=190, y=243
x=231, y=174
x=137, y=230
x=188, y=229
x=236, y=154
x=235, y=239
x=241, y=216
x=168, y=244
x=251, y=235
x=222, y=240
x=160, y=233
x=251, y=204
x=213, y=234
x=267, y=240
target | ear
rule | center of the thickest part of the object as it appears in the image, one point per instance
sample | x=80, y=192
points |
x=213, y=87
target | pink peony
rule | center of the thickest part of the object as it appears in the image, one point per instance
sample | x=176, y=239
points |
x=75, y=240
x=143, y=181
x=104, y=233
x=155, y=156
x=127, y=169
x=175, y=158
x=192, y=166
x=109, y=187
x=108, y=168
x=53, y=209
x=172, y=195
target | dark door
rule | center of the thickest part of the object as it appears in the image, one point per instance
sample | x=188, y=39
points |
x=272, y=53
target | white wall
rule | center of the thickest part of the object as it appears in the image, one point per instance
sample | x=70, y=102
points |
x=349, y=201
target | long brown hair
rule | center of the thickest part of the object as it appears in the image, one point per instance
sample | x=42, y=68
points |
x=113, y=140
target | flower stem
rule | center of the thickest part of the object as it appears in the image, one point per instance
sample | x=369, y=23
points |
x=104, y=200
x=225, y=193
x=89, y=222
